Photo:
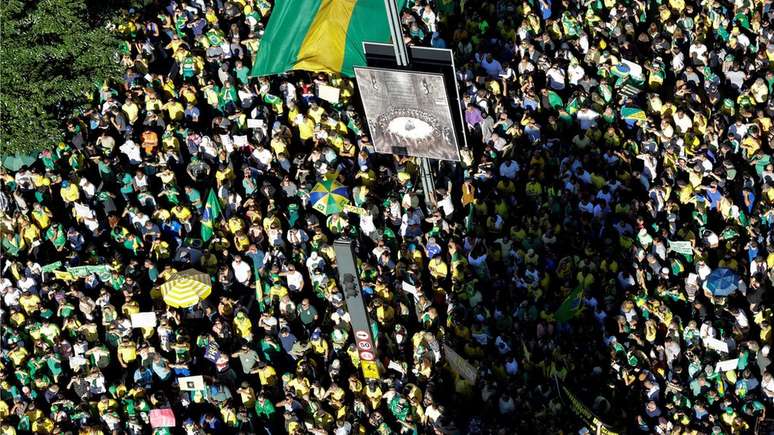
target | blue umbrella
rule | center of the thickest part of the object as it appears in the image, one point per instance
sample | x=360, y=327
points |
x=722, y=282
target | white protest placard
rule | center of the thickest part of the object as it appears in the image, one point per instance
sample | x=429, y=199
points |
x=191, y=383
x=240, y=141
x=691, y=286
x=328, y=93
x=446, y=205
x=396, y=366
x=408, y=288
x=727, y=365
x=681, y=247
x=715, y=344
x=76, y=362
x=255, y=123
x=144, y=320
x=460, y=365
x=227, y=142
x=356, y=210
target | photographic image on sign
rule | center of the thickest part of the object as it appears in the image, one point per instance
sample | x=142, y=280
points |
x=408, y=113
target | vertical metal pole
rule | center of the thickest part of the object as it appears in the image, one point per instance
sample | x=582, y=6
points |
x=401, y=57
x=396, y=31
x=428, y=184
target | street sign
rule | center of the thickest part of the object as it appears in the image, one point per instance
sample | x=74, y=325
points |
x=361, y=325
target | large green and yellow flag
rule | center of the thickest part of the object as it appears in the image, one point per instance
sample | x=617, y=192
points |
x=320, y=35
x=210, y=215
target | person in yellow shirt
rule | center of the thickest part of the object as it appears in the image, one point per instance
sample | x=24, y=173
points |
x=438, y=268
x=69, y=192
x=374, y=394
x=243, y=325
x=277, y=290
x=246, y=394
x=131, y=109
x=127, y=352
x=18, y=354
x=152, y=103
x=320, y=345
x=174, y=109
x=31, y=234
x=41, y=215
x=305, y=127
x=241, y=241
x=235, y=225
x=266, y=374
x=223, y=174
x=29, y=302
x=315, y=112
x=278, y=146
x=534, y=188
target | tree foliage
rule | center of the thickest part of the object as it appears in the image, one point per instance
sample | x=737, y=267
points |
x=53, y=53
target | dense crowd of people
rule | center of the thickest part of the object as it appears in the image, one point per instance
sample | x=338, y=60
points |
x=605, y=239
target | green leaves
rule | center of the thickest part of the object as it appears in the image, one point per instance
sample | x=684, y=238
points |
x=51, y=53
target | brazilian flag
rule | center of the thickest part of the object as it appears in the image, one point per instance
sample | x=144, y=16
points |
x=571, y=306
x=320, y=35
x=573, y=106
x=274, y=101
x=211, y=213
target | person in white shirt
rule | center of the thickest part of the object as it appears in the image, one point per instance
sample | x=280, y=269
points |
x=698, y=53
x=768, y=385
x=511, y=366
x=132, y=152
x=11, y=296
x=525, y=66
x=87, y=187
x=506, y=404
x=140, y=181
x=707, y=330
x=587, y=118
x=429, y=18
x=314, y=261
x=555, y=76
x=263, y=156
x=678, y=60
x=343, y=428
x=242, y=271
x=576, y=73
x=682, y=121
x=295, y=279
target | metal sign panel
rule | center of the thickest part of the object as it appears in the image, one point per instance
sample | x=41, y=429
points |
x=424, y=59
x=361, y=325
x=408, y=113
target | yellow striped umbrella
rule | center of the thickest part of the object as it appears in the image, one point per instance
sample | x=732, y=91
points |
x=186, y=288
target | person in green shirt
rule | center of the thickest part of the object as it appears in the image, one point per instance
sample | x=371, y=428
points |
x=194, y=197
x=12, y=244
x=56, y=235
x=241, y=72
x=127, y=186
x=264, y=407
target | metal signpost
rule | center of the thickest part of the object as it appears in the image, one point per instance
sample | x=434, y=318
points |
x=432, y=62
x=353, y=297
x=402, y=59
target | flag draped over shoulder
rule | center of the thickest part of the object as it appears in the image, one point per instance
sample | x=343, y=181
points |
x=320, y=35
x=571, y=306
x=211, y=213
